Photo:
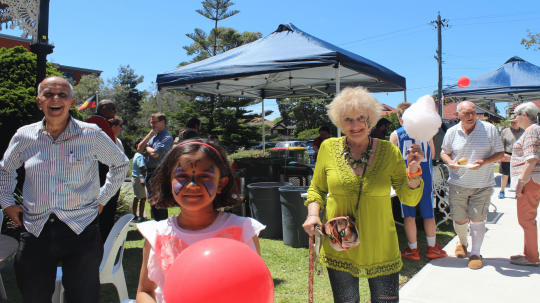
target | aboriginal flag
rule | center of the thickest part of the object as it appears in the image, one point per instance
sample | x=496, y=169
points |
x=90, y=103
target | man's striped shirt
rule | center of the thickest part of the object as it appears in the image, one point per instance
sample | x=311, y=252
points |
x=62, y=175
x=481, y=143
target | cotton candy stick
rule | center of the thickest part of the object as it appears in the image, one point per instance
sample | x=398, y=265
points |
x=421, y=120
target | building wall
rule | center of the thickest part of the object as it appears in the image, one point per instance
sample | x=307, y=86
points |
x=74, y=73
x=12, y=42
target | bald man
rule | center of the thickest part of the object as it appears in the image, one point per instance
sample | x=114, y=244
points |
x=471, y=188
x=62, y=198
x=106, y=110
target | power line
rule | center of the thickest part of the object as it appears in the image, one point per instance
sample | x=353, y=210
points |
x=497, y=22
x=501, y=15
x=390, y=38
x=383, y=34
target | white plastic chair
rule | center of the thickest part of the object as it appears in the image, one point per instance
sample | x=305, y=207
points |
x=108, y=271
x=3, y=294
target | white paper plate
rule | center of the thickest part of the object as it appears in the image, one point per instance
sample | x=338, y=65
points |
x=466, y=165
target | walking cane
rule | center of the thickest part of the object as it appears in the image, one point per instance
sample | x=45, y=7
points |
x=311, y=241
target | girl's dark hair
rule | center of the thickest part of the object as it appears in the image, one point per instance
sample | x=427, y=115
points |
x=162, y=196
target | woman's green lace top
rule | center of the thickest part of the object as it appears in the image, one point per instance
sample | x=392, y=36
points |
x=335, y=188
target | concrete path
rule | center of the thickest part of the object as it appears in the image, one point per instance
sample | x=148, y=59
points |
x=450, y=280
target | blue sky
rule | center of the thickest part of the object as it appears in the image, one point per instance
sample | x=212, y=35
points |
x=149, y=36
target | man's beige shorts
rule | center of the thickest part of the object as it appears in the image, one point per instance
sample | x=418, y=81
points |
x=468, y=202
x=138, y=189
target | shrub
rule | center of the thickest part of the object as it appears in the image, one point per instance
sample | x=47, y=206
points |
x=247, y=153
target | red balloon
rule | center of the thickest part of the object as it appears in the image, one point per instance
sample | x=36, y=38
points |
x=218, y=270
x=463, y=82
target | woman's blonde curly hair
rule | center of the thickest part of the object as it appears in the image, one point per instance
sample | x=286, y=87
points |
x=354, y=100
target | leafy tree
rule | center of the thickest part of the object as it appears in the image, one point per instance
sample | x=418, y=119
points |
x=172, y=102
x=393, y=118
x=87, y=87
x=231, y=117
x=18, y=90
x=533, y=41
x=306, y=113
x=277, y=120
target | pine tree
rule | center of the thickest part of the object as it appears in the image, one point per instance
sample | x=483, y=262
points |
x=128, y=99
x=225, y=117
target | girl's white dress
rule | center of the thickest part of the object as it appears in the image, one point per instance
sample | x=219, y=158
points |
x=168, y=240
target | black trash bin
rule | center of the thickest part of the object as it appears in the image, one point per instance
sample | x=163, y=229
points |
x=265, y=207
x=294, y=213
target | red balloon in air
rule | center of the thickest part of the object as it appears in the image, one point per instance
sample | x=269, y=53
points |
x=463, y=82
x=218, y=270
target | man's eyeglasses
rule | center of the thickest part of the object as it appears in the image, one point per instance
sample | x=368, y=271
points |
x=154, y=122
x=466, y=114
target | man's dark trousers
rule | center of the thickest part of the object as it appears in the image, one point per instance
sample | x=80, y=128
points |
x=37, y=259
x=106, y=217
x=159, y=214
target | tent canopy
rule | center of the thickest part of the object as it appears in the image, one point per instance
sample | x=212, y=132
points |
x=515, y=80
x=286, y=63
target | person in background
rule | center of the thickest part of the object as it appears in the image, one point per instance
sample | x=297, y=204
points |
x=214, y=138
x=525, y=169
x=116, y=126
x=509, y=136
x=156, y=144
x=471, y=188
x=381, y=129
x=138, y=173
x=401, y=139
x=324, y=133
x=61, y=198
x=106, y=110
x=193, y=127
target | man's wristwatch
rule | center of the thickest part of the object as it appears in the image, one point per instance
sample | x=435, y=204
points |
x=521, y=181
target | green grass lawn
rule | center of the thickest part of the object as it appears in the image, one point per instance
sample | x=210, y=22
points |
x=288, y=266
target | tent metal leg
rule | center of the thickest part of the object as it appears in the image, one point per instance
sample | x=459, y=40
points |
x=263, y=143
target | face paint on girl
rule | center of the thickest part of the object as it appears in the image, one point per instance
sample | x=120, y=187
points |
x=209, y=185
x=178, y=185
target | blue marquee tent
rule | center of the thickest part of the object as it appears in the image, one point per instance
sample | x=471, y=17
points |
x=286, y=63
x=515, y=81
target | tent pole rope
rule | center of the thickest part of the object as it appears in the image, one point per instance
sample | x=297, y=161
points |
x=337, y=92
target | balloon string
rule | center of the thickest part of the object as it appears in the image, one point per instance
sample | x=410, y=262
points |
x=311, y=240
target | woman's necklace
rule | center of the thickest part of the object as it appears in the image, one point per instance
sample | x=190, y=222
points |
x=349, y=158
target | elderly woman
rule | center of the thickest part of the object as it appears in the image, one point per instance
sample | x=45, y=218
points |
x=525, y=170
x=356, y=173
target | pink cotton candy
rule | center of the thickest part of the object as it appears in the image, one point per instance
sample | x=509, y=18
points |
x=421, y=120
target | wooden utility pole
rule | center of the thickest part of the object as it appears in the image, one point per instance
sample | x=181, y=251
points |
x=439, y=24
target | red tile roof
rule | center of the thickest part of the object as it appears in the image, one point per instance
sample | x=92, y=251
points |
x=537, y=103
x=450, y=110
x=387, y=110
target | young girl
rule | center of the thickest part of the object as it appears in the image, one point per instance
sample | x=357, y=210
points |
x=195, y=175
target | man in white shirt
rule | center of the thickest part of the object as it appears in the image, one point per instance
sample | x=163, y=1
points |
x=62, y=197
x=471, y=188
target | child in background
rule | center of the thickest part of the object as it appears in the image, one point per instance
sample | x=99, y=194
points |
x=401, y=139
x=138, y=174
x=195, y=175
